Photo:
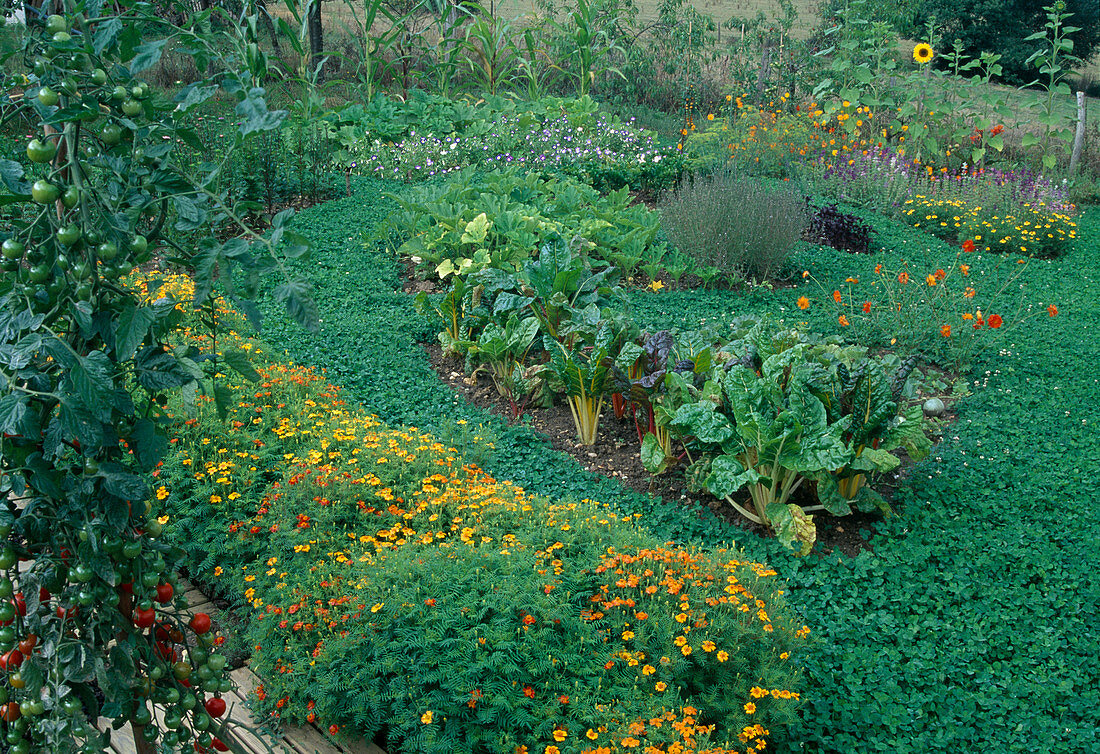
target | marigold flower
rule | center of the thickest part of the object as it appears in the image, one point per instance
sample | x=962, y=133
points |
x=803, y=302
x=560, y=735
x=903, y=278
x=722, y=655
x=749, y=708
x=995, y=321
x=551, y=749
x=592, y=735
x=334, y=729
x=660, y=686
x=964, y=269
x=1052, y=310
x=710, y=116
x=528, y=692
x=967, y=316
x=968, y=245
x=843, y=321
x=685, y=650
x=945, y=331
x=878, y=269
x=837, y=297
x=930, y=279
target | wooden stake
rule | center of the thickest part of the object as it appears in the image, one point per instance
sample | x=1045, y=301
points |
x=1079, y=136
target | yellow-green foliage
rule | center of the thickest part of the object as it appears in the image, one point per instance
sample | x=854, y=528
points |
x=390, y=584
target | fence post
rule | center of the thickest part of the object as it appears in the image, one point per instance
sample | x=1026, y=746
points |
x=1079, y=136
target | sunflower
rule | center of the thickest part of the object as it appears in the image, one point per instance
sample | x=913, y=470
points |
x=922, y=53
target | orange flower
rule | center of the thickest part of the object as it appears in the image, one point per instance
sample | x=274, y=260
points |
x=995, y=321
x=940, y=274
x=878, y=269
x=560, y=735
x=930, y=279
x=969, y=293
x=903, y=278
x=723, y=655
x=967, y=316
x=945, y=331
x=836, y=296
x=968, y=246
x=528, y=692
x=964, y=269
x=1052, y=310
x=749, y=708
x=844, y=321
x=803, y=302
x=661, y=686
x=592, y=735
x=866, y=307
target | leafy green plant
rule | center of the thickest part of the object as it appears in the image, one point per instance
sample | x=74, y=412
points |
x=452, y=310
x=583, y=370
x=503, y=351
x=1054, y=62
x=592, y=37
x=493, y=58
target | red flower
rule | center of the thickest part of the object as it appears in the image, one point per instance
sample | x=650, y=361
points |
x=430, y=603
x=866, y=307
x=940, y=274
x=1052, y=310
x=528, y=620
x=968, y=245
x=332, y=729
x=995, y=321
x=997, y=129
x=945, y=331
x=528, y=692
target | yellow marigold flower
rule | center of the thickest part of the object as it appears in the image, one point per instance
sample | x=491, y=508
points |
x=426, y=718
x=648, y=670
x=592, y=735
x=749, y=708
x=685, y=650
x=710, y=116
x=723, y=655
x=560, y=735
x=661, y=686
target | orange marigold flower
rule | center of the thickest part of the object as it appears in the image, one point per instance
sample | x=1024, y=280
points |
x=334, y=729
x=723, y=655
x=564, y=699
x=843, y=321
x=940, y=274
x=968, y=245
x=964, y=269
x=685, y=650
x=995, y=321
x=592, y=735
x=1052, y=310
x=528, y=692
x=945, y=331
x=930, y=279
x=660, y=686
x=560, y=735
x=803, y=302
x=967, y=316
x=837, y=297
x=749, y=708
x=903, y=278
x=551, y=749
x=969, y=293
x=866, y=307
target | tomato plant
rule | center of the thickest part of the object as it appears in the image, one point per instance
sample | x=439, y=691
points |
x=88, y=621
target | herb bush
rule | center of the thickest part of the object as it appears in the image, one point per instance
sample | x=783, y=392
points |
x=738, y=225
x=361, y=551
x=498, y=219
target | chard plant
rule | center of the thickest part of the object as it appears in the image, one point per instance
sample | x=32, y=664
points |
x=584, y=371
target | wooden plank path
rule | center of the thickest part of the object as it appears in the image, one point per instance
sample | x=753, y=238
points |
x=250, y=734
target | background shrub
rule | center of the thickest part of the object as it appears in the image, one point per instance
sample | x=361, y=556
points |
x=739, y=225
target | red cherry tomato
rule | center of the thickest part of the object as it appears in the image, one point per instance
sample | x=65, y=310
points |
x=28, y=644
x=215, y=706
x=67, y=612
x=218, y=745
x=20, y=604
x=10, y=713
x=200, y=623
x=43, y=594
x=144, y=618
x=164, y=593
x=11, y=660
x=126, y=587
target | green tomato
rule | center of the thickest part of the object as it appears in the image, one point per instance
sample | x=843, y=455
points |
x=131, y=549
x=149, y=579
x=81, y=574
x=156, y=672
x=47, y=96
x=205, y=672
x=62, y=37
x=212, y=685
x=83, y=292
x=99, y=77
x=67, y=236
x=7, y=589
x=7, y=636
x=85, y=598
x=188, y=702
x=56, y=23
x=172, y=696
x=199, y=655
x=68, y=85
x=131, y=107
x=107, y=251
x=111, y=134
x=7, y=558
x=70, y=197
x=39, y=151
x=7, y=612
x=154, y=528
x=216, y=662
x=72, y=705
x=200, y=721
x=44, y=192
x=12, y=249
x=143, y=716
x=138, y=245
x=81, y=270
x=39, y=273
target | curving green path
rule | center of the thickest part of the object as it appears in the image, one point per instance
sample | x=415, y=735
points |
x=970, y=625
